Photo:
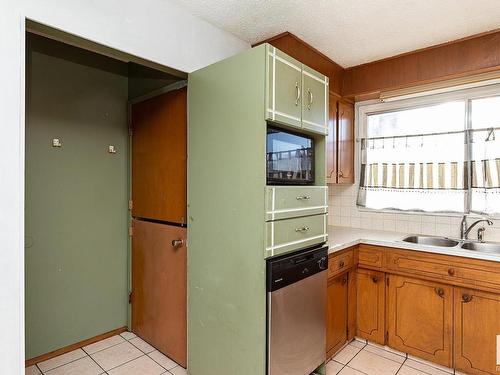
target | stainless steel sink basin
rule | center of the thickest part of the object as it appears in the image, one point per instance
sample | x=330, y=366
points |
x=483, y=247
x=431, y=241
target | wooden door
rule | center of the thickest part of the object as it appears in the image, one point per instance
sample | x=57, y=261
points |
x=331, y=140
x=477, y=324
x=159, y=288
x=345, y=143
x=159, y=157
x=419, y=318
x=285, y=80
x=370, y=303
x=314, y=101
x=336, y=317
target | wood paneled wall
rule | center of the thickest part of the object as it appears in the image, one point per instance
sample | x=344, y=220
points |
x=472, y=55
x=310, y=56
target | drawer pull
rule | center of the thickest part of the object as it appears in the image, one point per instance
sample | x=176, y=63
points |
x=303, y=229
x=375, y=279
x=439, y=292
x=451, y=271
x=341, y=264
x=466, y=297
x=303, y=197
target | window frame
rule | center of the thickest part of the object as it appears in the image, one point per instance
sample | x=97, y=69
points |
x=376, y=106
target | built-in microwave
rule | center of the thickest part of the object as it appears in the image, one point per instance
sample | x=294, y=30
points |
x=290, y=158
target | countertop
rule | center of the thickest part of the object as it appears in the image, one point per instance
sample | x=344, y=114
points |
x=340, y=238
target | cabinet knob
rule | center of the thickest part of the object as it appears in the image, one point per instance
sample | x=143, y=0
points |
x=451, y=271
x=344, y=281
x=177, y=243
x=341, y=264
x=466, y=297
x=375, y=279
x=439, y=292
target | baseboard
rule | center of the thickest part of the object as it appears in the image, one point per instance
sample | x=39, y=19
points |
x=69, y=348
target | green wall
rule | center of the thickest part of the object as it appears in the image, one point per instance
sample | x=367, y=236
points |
x=76, y=196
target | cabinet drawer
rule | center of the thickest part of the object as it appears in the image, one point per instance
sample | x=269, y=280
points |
x=370, y=256
x=340, y=263
x=283, y=202
x=297, y=233
x=469, y=272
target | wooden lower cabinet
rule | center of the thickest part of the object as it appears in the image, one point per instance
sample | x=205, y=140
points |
x=477, y=324
x=370, y=301
x=420, y=318
x=336, y=322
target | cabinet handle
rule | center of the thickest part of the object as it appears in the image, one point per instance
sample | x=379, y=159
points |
x=375, y=279
x=341, y=264
x=303, y=229
x=297, y=90
x=466, y=297
x=344, y=280
x=310, y=95
x=303, y=197
x=439, y=292
x=451, y=271
x=177, y=243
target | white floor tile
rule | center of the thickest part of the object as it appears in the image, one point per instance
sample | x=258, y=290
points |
x=140, y=366
x=346, y=354
x=103, y=344
x=116, y=355
x=333, y=368
x=83, y=366
x=358, y=344
x=142, y=345
x=350, y=371
x=384, y=353
x=128, y=335
x=407, y=370
x=32, y=370
x=178, y=371
x=163, y=360
x=373, y=364
x=425, y=367
x=61, y=360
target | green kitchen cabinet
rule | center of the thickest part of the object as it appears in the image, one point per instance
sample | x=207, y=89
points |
x=297, y=96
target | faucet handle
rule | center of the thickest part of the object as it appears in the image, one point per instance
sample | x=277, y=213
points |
x=480, y=234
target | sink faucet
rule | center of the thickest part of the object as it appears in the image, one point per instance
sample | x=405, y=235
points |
x=465, y=229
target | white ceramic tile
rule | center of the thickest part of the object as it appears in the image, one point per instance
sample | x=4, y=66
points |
x=163, y=360
x=358, y=344
x=103, y=344
x=82, y=366
x=385, y=354
x=333, y=368
x=426, y=367
x=32, y=370
x=374, y=364
x=345, y=211
x=350, y=371
x=345, y=221
x=140, y=366
x=116, y=355
x=346, y=354
x=390, y=225
x=407, y=370
x=402, y=226
x=355, y=222
x=128, y=335
x=142, y=345
x=178, y=371
x=61, y=360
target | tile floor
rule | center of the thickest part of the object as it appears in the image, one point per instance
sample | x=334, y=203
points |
x=124, y=354
x=362, y=358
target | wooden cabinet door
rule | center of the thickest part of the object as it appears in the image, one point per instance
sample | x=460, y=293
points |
x=336, y=317
x=345, y=143
x=331, y=141
x=284, y=89
x=370, y=303
x=159, y=157
x=314, y=101
x=419, y=318
x=477, y=324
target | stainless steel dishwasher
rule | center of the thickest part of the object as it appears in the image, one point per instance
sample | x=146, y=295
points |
x=296, y=312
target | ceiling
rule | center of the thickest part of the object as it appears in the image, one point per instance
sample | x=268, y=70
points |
x=352, y=32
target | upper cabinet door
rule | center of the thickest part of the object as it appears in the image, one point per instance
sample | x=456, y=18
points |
x=345, y=143
x=314, y=101
x=284, y=102
x=331, y=144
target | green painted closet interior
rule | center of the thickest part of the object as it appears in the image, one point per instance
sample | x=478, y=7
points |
x=76, y=226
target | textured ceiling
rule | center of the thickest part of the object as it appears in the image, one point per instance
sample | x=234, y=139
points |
x=352, y=32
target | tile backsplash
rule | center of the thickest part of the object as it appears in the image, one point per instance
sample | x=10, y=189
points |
x=343, y=212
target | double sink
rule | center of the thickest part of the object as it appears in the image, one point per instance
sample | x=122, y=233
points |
x=483, y=247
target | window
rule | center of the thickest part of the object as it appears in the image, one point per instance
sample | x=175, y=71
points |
x=434, y=154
